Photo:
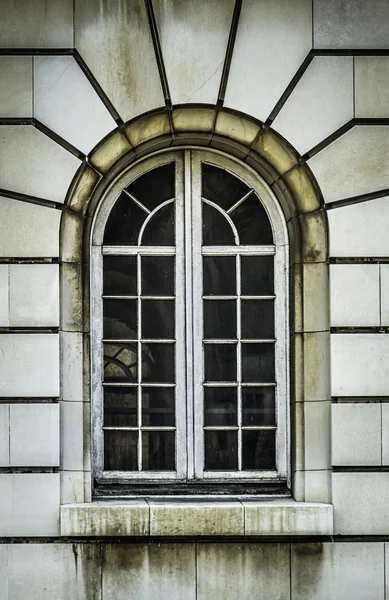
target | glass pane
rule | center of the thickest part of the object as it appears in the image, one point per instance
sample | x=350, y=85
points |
x=124, y=223
x=258, y=363
x=221, y=450
x=120, y=407
x=220, y=362
x=216, y=229
x=257, y=274
x=157, y=275
x=158, y=407
x=154, y=187
x=258, y=406
x=158, y=363
x=121, y=362
x=220, y=406
x=119, y=276
x=259, y=450
x=158, y=450
x=159, y=231
x=252, y=222
x=120, y=450
x=158, y=319
x=220, y=319
x=120, y=319
x=221, y=187
x=219, y=275
x=257, y=319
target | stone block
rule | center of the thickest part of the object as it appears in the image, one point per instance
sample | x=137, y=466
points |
x=356, y=434
x=16, y=96
x=72, y=436
x=371, y=86
x=4, y=296
x=355, y=295
x=34, y=435
x=34, y=295
x=130, y=518
x=71, y=351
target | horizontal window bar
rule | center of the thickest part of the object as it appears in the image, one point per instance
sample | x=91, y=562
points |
x=253, y=250
x=123, y=250
x=244, y=340
x=109, y=428
x=144, y=341
x=215, y=297
x=236, y=383
x=136, y=385
x=236, y=428
x=136, y=297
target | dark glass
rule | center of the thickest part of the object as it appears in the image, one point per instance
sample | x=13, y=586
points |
x=258, y=363
x=157, y=275
x=120, y=450
x=257, y=319
x=220, y=362
x=158, y=363
x=159, y=231
x=221, y=187
x=120, y=319
x=119, y=276
x=258, y=406
x=252, y=222
x=158, y=319
x=258, y=450
x=219, y=275
x=220, y=319
x=154, y=187
x=257, y=274
x=158, y=407
x=124, y=223
x=216, y=229
x=120, y=407
x=158, y=451
x=121, y=362
x=220, y=406
x=221, y=450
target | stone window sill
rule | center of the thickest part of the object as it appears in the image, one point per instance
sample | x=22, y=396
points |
x=197, y=518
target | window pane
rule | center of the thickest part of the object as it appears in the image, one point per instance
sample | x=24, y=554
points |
x=257, y=319
x=252, y=222
x=221, y=450
x=120, y=407
x=158, y=319
x=220, y=319
x=159, y=231
x=257, y=275
x=158, y=406
x=220, y=362
x=259, y=450
x=222, y=187
x=258, y=406
x=258, y=363
x=120, y=450
x=158, y=363
x=219, y=275
x=119, y=277
x=120, y=319
x=220, y=406
x=216, y=228
x=121, y=362
x=154, y=187
x=158, y=451
x=157, y=275
x=124, y=223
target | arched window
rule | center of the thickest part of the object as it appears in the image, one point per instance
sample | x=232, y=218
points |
x=189, y=325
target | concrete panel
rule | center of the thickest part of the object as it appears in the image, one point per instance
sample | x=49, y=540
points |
x=321, y=102
x=372, y=86
x=356, y=434
x=35, y=165
x=360, y=230
x=16, y=94
x=71, y=367
x=4, y=296
x=4, y=571
x=72, y=438
x=34, y=295
x=355, y=295
x=4, y=435
x=65, y=101
x=384, y=298
x=360, y=365
x=363, y=153
x=72, y=487
x=29, y=365
x=385, y=434
x=350, y=24
x=116, y=44
x=36, y=24
x=34, y=435
x=317, y=417
x=273, y=38
x=28, y=230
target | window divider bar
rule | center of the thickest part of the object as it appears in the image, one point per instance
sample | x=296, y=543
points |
x=239, y=358
x=139, y=374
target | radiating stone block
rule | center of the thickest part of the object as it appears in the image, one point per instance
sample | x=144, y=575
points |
x=34, y=435
x=385, y=434
x=356, y=434
x=34, y=295
x=4, y=296
x=372, y=86
x=355, y=295
x=4, y=435
x=384, y=297
x=16, y=94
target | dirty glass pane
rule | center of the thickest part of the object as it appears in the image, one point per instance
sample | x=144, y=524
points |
x=159, y=231
x=221, y=450
x=158, y=363
x=258, y=406
x=120, y=319
x=221, y=187
x=119, y=276
x=154, y=187
x=121, y=362
x=219, y=275
x=220, y=319
x=120, y=407
x=157, y=275
x=158, y=450
x=158, y=319
x=220, y=362
x=220, y=406
x=257, y=319
x=124, y=223
x=120, y=450
x=252, y=222
x=258, y=450
x=257, y=274
x=216, y=229
x=158, y=407
x=258, y=363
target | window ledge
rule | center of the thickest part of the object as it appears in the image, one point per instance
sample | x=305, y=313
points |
x=196, y=518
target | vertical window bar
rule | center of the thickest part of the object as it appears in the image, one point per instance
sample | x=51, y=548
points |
x=239, y=359
x=139, y=347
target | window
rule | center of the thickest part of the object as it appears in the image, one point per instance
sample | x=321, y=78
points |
x=189, y=325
